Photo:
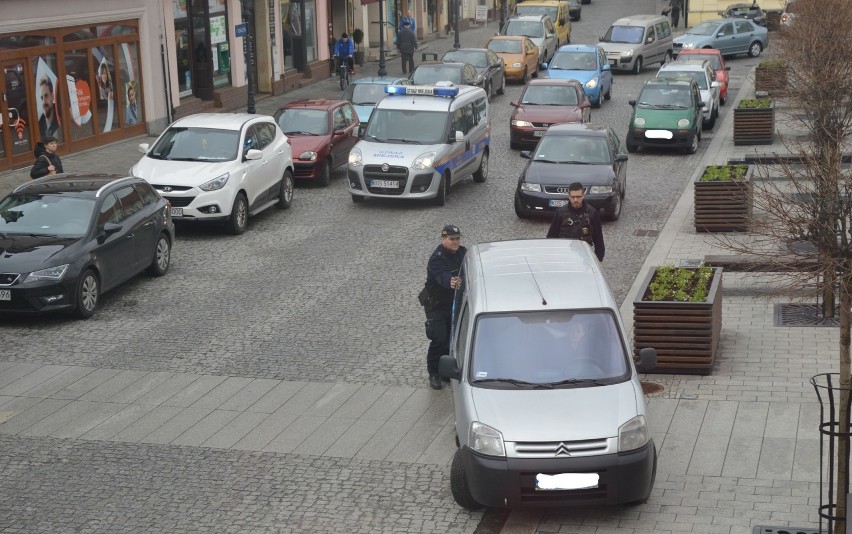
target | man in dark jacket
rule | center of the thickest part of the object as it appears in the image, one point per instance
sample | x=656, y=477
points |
x=442, y=279
x=578, y=220
x=406, y=42
x=674, y=9
x=47, y=160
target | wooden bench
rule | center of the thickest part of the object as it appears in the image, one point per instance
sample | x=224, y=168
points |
x=761, y=264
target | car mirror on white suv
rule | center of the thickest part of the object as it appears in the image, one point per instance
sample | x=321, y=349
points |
x=144, y=147
x=253, y=153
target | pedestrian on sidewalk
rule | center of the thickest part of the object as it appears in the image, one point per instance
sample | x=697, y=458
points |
x=674, y=8
x=406, y=19
x=442, y=279
x=406, y=42
x=578, y=220
x=47, y=160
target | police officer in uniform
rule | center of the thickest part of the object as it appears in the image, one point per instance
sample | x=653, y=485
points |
x=442, y=279
x=578, y=220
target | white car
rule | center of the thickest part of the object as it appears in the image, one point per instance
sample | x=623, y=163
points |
x=220, y=167
x=702, y=72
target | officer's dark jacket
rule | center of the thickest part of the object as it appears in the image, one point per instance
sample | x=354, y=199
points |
x=583, y=224
x=442, y=266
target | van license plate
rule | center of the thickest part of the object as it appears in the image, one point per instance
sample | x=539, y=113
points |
x=538, y=133
x=566, y=481
x=389, y=184
x=5, y=294
x=177, y=212
x=557, y=203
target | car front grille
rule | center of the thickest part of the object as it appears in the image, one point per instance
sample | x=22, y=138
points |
x=171, y=188
x=561, y=449
x=561, y=189
x=7, y=279
x=394, y=173
x=179, y=202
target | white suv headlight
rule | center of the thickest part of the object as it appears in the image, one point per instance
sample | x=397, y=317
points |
x=424, y=161
x=486, y=440
x=216, y=183
x=355, y=157
x=308, y=155
x=50, y=274
x=633, y=434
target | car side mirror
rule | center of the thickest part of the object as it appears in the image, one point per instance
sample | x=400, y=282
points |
x=361, y=129
x=649, y=40
x=715, y=84
x=562, y=22
x=253, y=154
x=585, y=104
x=340, y=131
x=544, y=65
x=513, y=103
x=621, y=157
x=144, y=147
x=632, y=103
x=701, y=104
x=448, y=367
x=647, y=360
x=525, y=154
x=606, y=67
x=111, y=228
x=459, y=137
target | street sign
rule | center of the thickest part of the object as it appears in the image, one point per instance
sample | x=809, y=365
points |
x=481, y=13
x=241, y=30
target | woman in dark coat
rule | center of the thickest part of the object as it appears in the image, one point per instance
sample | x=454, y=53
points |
x=47, y=160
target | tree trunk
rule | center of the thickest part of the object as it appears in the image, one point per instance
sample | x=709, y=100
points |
x=843, y=415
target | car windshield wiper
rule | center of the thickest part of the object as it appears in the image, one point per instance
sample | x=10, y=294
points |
x=513, y=381
x=406, y=141
x=299, y=132
x=576, y=381
x=156, y=156
x=182, y=159
x=575, y=162
x=546, y=161
x=364, y=103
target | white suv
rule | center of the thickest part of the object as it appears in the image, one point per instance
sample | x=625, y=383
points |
x=220, y=167
x=702, y=72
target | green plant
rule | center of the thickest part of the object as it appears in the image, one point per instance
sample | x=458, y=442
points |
x=683, y=284
x=771, y=64
x=755, y=103
x=357, y=36
x=724, y=173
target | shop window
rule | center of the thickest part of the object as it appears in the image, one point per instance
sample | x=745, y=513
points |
x=80, y=34
x=220, y=52
x=291, y=29
x=131, y=91
x=109, y=30
x=311, y=29
x=79, y=91
x=15, y=42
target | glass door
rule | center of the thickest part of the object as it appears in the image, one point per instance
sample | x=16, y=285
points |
x=16, y=134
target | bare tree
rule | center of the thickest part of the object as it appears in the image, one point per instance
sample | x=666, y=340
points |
x=807, y=217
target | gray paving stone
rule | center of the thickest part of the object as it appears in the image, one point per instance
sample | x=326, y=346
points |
x=148, y=423
x=87, y=421
x=782, y=420
x=322, y=438
x=390, y=401
x=676, y=451
x=60, y=381
x=332, y=400
x=751, y=419
x=61, y=417
x=250, y=394
x=361, y=401
x=30, y=416
x=776, y=458
x=194, y=391
x=15, y=406
x=277, y=396
x=292, y=436
x=395, y=429
x=117, y=422
x=711, y=447
x=222, y=392
x=141, y=387
x=114, y=385
x=205, y=428
x=806, y=460
x=414, y=443
x=442, y=448
x=168, y=389
x=177, y=425
x=17, y=371
x=235, y=430
x=85, y=384
x=33, y=379
x=355, y=437
x=272, y=426
x=743, y=457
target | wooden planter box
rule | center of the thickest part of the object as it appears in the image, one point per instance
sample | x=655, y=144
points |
x=773, y=80
x=684, y=334
x=723, y=206
x=754, y=126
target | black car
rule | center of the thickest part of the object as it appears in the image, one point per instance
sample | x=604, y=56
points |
x=432, y=72
x=66, y=239
x=587, y=153
x=486, y=63
x=575, y=9
x=745, y=11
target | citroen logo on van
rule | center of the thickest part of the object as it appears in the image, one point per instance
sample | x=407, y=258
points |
x=562, y=450
x=167, y=189
x=385, y=167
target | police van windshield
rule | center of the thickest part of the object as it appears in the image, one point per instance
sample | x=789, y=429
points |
x=548, y=349
x=407, y=126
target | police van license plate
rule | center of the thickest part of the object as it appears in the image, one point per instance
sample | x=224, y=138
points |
x=387, y=184
x=538, y=133
x=177, y=212
x=557, y=203
x=5, y=294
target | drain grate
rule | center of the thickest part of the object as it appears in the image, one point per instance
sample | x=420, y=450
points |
x=647, y=233
x=760, y=529
x=802, y=315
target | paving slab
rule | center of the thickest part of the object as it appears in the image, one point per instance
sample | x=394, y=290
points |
x=61, y=417
x=177, y=425
x=121, y=381
x=250, y=394
x=170, y=387
x=90, y=381
x=235, y=430
x=33, y=379
x=60, y=381
x=321, y=439
x=88, y=420
x=187, y=396
x=222, y=392
x=140, y=388
x=32, y=415
x=17, y=371
x=148, y=423
x=277, y=396
x=117, y=422
x=207, y=427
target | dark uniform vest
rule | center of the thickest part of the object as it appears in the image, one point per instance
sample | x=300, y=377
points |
x=576, y=225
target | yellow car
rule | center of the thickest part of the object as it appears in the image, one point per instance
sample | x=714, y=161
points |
x=519, y=55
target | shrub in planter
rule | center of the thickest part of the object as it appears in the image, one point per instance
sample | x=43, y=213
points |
x=358, y=38
x=679, y=313
x=771, y=76
x=723, y=198
x=754, y=121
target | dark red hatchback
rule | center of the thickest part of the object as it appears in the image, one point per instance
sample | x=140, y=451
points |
x=544, y=102
x=321, y=133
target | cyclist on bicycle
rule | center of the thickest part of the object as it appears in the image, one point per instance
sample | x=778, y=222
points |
x=344, y=51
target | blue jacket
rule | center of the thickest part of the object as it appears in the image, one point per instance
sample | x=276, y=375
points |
x=410, y=20
x=344, y=49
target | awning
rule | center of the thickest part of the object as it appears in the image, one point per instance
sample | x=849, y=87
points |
x=365, y=2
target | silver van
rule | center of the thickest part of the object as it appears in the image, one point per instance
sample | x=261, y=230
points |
x=549, y=409
x=639, y=40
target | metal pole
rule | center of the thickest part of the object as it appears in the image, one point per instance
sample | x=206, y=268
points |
x=383, y=71
x=248, y=51
x=502, y=15
x=456, y=43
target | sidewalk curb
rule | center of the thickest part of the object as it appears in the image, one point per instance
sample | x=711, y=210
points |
x=664, y=243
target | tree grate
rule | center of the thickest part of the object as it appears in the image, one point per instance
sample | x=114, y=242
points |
x=646, y=233
x=803, y=315
x=760, y=529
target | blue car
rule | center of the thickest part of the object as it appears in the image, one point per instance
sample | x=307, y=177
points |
x=588, y=65
x=365, y=93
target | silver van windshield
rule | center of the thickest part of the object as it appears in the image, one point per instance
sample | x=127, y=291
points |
x=550, y=348
x=407, y=126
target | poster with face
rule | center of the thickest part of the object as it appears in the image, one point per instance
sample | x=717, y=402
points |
x=46, y=96
x=106, y=90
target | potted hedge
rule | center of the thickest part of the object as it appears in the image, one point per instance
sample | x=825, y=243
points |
x=678, y=312
x=723, y=198
x=771, y=77
x=358, y=38
x=754, y=121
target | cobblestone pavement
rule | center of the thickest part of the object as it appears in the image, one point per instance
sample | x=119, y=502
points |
x=325, y=293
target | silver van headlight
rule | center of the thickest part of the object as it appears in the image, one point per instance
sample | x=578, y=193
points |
x=633, y=434
x=486, y=440
x=424, y=161
x=355, y=157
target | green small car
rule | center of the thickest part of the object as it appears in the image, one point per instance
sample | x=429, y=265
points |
x=666, y=114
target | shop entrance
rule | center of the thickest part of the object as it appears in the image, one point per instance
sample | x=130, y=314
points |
x=16, y=137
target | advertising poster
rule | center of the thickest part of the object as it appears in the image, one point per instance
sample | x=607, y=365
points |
x=46, y=96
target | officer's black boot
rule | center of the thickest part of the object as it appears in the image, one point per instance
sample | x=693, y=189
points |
x=435, y=382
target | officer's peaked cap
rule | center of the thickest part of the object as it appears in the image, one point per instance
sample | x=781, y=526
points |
x=450, y=230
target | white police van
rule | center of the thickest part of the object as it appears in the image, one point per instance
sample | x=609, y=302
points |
x=420, y=141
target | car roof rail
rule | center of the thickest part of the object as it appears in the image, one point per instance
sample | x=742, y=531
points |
x=36, y=181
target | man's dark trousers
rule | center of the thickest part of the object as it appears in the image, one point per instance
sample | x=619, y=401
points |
x=438, y=332
x=407, y=63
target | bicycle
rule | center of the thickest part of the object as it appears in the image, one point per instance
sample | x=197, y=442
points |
x=342, y=73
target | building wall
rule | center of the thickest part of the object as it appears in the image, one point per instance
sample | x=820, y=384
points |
x=701, y=10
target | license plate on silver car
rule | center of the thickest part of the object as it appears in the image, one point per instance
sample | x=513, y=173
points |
x=5, y=294
x=388, y=184
x=177, y=212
